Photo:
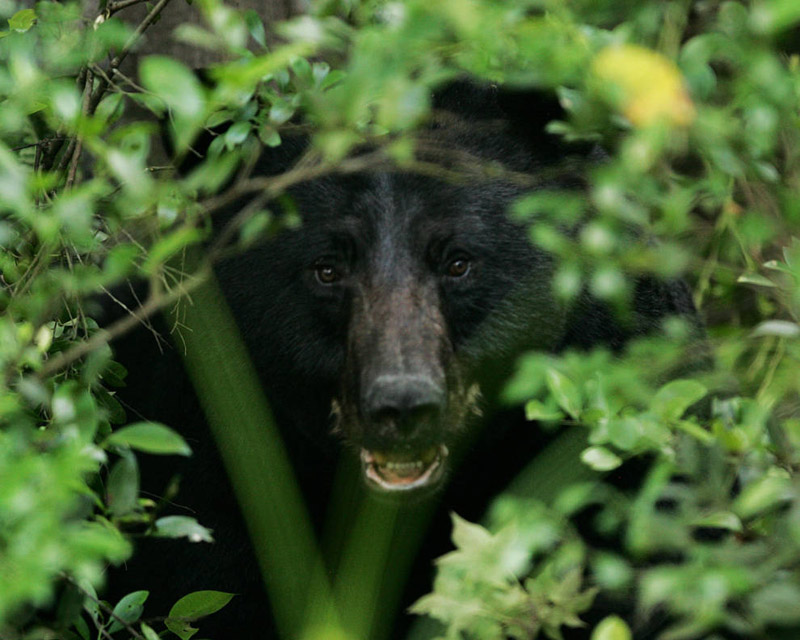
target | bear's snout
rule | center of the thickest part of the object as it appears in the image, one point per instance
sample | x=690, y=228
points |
x=404, y=406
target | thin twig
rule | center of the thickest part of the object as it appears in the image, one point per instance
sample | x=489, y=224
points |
x=129, y=81
x=121, y=326
x=127, y=626
x=113, y=7
x=36, y=266
x=98, y=71
x=62, y=164
x=117, y=60
x=76, y=155
x=39, y=144
x=269, y=186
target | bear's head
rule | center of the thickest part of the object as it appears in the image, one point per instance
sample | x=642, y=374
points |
x=385, y=304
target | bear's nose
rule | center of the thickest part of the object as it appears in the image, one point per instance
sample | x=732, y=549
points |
x=404, y=402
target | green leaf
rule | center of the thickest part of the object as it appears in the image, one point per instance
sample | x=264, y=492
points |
x=193, y=606
x=535, y=410
x=674, y=398
x=219, y=117
x=565, y=392
x=775, y=15
x=762, y=494
x=181, y=90
x=199, y=604
x=148, y=632
x=720, y=520
x=122, y=488
x=255, y=27
x=269, y=135
x=468, y=534
x=600, y=458
x=149, y=102
x=181, y=628
x=116, y=414
x=150, y=437
x=175, y=84
x=612, y=628
x=780, y=328
x=611, y=571
x=128, y=610
x=237, y=134
x=757, y=279
x=695, y=430
x=109, y=108
x=255, y=228
x=182, y=527
x=169, y=246
x=623, y=432
x=22, y=20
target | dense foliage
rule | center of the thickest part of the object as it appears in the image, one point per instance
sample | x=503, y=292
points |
x=696, y=107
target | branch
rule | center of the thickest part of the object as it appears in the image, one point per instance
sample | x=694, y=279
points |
x=40, y=143
x=270, y=186
x=130, y=629
x=113, y=7
x=76, y=155
x=114, y=64
x=153, y=304
x=307, y=168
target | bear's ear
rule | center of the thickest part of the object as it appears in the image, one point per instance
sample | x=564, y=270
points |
x=524, y=113
x=528, y=112
x=468, y=99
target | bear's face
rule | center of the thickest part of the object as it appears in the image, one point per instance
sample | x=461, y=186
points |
x=406, y=279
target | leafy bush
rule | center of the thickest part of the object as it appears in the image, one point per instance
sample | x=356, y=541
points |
x=696, y=107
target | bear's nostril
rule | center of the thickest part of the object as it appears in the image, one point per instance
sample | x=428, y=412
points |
x=404, y=402
x=406, y=421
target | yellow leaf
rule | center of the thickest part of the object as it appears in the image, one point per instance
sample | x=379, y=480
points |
x=645, y=85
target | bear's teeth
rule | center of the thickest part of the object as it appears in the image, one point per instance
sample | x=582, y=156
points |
x=403, y=466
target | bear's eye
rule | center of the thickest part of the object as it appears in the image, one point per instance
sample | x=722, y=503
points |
x=458, y=268
x=327, y=274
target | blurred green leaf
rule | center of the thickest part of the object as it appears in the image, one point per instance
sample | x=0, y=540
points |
x=175, y=84
x=565, y=392
x=148, y=632
x=757, y=279
x=150, y=437
x=122, y=487
x=256, y=27
x=612, y=628
x=535, y=410
x=600, y=459
x=761, y=494
x=22, y=20
x=182, y=527
x=674, y=398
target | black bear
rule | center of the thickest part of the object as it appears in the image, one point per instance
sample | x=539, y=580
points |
x=377, y=328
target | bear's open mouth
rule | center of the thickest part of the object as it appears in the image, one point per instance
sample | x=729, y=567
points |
x=403, y=471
